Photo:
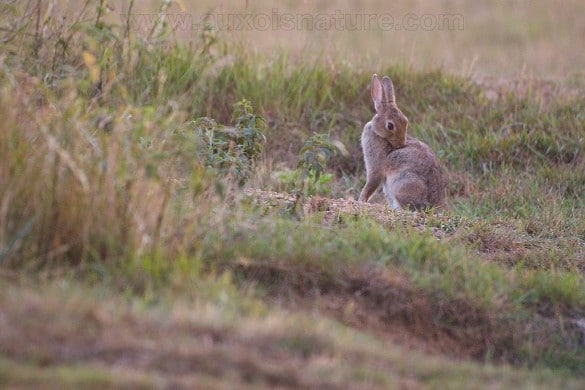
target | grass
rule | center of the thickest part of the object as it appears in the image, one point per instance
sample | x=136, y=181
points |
x=116, y=171
x=482, y=40
x=115, y=342
x=30, y=376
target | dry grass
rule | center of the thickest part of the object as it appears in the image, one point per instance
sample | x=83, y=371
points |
x=525, y=43
x=504, y=41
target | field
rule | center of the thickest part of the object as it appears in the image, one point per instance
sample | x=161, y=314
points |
x=178, y=184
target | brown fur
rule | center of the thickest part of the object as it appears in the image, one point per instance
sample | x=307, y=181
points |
x=407, y=168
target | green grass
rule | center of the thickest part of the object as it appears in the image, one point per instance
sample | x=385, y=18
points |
x=29, y=376
x=109, y=175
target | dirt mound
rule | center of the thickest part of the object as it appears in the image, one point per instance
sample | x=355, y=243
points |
x=335, y=210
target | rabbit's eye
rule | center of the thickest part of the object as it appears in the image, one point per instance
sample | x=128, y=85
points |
x=390, y=126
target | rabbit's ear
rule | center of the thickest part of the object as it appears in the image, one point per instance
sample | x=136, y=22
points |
x=388, y=89
x=377, y=92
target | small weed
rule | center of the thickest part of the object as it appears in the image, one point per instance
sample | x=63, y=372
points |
x=233, y=151
x=313, y=157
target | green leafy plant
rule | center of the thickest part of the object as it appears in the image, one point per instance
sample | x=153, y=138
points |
x=292, y=182
x=313, y=158
x=233, y=150
x=249, y=129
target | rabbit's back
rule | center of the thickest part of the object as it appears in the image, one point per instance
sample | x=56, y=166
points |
x=414, y=175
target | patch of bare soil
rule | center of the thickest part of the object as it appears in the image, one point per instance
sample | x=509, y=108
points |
x=335, y=210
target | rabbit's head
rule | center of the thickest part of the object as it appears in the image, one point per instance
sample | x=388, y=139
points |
x=389, y=122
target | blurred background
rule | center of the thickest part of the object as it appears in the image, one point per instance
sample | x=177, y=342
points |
x=503, y=40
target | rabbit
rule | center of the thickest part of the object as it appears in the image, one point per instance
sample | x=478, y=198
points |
x=407, y=168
